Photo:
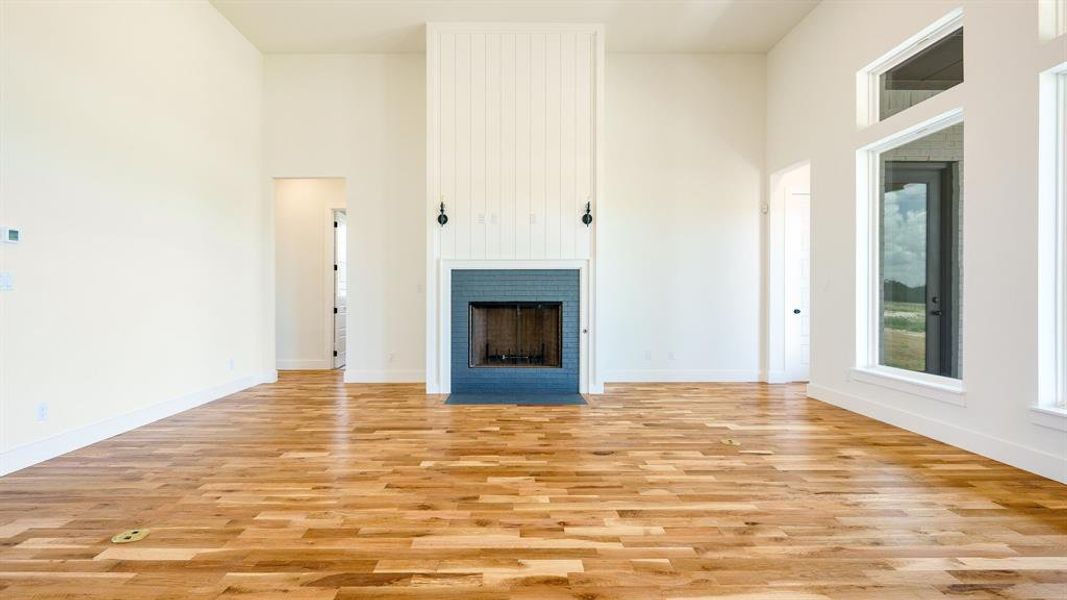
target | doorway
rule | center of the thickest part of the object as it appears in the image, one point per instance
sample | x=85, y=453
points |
x=789, y=318
x=340, y=286
x=311, y=295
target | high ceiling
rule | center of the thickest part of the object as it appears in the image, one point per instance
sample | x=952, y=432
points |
x=344, y=26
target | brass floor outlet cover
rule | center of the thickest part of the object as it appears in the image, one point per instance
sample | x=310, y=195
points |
x=133, y=535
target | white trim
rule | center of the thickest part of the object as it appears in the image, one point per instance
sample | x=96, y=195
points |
x=30, y=454
x=508, y=27
x=924, y=385
x=774, y=377
x=384, y=376
x=329, y=282
x=869, y=77
x=1016, y=455
x=307, y=364
x=587, y=340
x=1053, y=18
x=683, y=376
x=868, y=276
x=1049, y=416
x=1052, y=239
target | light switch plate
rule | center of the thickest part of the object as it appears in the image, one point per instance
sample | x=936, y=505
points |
x=7, y=282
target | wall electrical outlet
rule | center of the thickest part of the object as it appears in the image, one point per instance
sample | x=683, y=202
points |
x=231, y=364
x=42, y=412
x=7, y=282
x=648, y=355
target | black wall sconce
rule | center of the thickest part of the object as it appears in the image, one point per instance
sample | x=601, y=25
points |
x=442, y=218
x=587, y=218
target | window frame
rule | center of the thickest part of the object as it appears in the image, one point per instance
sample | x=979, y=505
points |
x=1051, y=407
x=1052, y=19
x=1059, y=400
x=868, y=367
x=870, y=76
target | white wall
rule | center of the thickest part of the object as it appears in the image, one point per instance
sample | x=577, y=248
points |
x=362, y=117
x=131, y=161
x=812, y=114
x=679, y=242
x=694, y=292
x=304, y=270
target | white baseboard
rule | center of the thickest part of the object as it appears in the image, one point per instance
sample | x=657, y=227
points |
x=383, y=376
x=30, y=454
x=309, y=364
x=774, y=377
x=681, y=376
x=1028, y=459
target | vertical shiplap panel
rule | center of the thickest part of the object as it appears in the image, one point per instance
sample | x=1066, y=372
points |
x=479, y=135
x=460, y=220
x=568, y=219
x=523, y=144
x=538, y=143
x=584, y=132
x=508, y=150
x=446, y=62
x=553, y=138
x=493, y=146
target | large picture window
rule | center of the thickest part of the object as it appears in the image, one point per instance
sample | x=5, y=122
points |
x=920, y=204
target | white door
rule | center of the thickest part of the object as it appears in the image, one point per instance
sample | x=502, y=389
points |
x=340, y=286
x=797, y=285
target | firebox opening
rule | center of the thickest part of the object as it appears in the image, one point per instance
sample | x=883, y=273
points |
x=516, y=334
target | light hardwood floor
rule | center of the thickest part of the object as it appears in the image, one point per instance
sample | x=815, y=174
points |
x=309, y=489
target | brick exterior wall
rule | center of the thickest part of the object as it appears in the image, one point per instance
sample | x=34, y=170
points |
x=519, y=285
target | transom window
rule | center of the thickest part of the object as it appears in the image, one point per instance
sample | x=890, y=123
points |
x=919, y=69
x=924, y=75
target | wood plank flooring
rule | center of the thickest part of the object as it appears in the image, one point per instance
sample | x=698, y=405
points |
x=309, y=489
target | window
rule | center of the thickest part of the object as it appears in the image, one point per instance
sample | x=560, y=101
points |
x=920, y=68
x=919, y=253
x=1060, y=191
x=1052, y=18
x=909, y=295
x=1053, y=239
x=924, y=75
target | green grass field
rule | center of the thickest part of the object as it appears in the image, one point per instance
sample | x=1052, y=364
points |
x=904, y=342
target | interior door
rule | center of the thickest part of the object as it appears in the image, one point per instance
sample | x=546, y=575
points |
x=340, y=287
x=798, y=285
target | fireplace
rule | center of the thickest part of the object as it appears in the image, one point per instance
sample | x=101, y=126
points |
x=515, y=331
x=516, y=334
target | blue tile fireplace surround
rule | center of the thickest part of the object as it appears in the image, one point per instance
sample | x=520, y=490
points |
x=531, y=290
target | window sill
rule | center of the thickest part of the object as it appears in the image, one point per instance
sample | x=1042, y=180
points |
x=942, y=389
x=1049, y=416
